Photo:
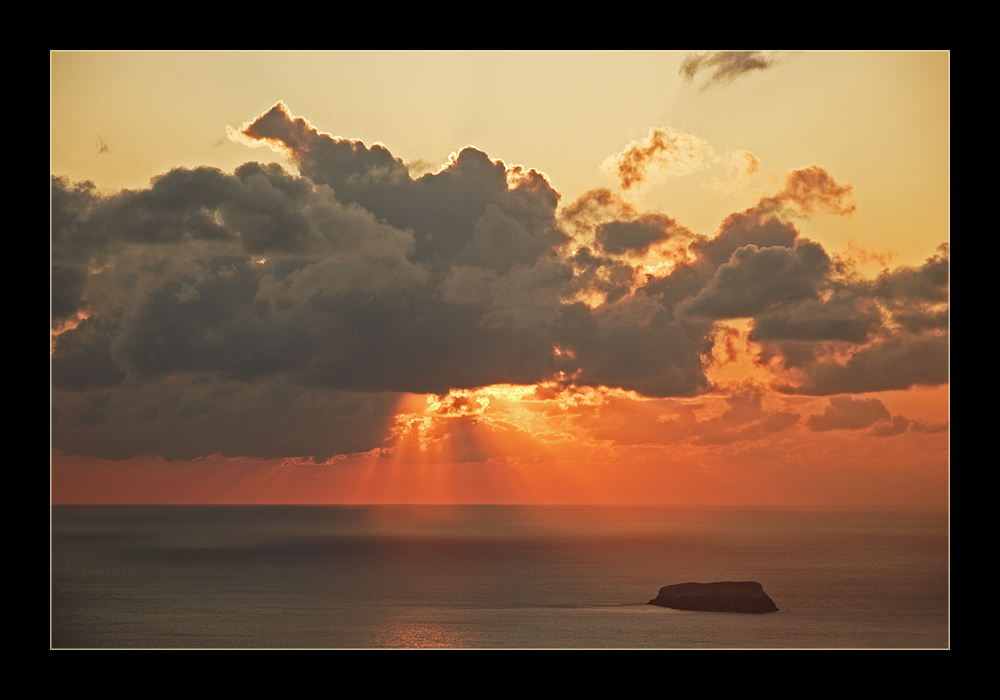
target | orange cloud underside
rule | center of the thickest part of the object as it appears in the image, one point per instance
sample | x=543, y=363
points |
x=508, y=444
x=554, y=444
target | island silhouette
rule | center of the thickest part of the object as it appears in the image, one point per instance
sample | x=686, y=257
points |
x=721, y=596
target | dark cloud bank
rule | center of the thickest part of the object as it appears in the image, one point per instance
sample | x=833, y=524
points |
x=267, y=314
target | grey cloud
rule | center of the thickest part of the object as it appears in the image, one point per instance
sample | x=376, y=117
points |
x=71, y=251
x=85, y=360
x=893, y=332
x=442, y=208
x=845, y=318
x=759, y=226
x=848, y=413
x=527, y=297
x=920, y=321
x=595, y=273
x=755, y=280
x=636, y=235
x=899, y=362
x=907, y=288
x=900, y=425
x=896, y=426
x=187, y=416
x=921, y=427
x=724, y=67
x=773, y=423
x=636, y=345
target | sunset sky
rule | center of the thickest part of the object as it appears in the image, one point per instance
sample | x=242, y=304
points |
x=500, y=277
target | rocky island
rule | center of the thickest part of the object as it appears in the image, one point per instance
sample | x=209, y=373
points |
x=722, y=596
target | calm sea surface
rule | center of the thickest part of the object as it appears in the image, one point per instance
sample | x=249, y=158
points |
x=491, y=576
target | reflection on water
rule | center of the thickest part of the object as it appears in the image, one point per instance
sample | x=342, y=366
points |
x=424, y=628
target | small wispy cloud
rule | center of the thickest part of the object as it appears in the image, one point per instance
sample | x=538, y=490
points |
x=664, y=151
x=723, y=67
x=740, y=165
x=101, y=144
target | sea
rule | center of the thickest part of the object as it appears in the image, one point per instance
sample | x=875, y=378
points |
x=492, y=577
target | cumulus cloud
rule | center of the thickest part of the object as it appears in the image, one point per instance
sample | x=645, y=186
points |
x=881, y=335
x=211, y=300
x=845, y=317
x=723, y=67
x=760, y=225
x=812, y=188
x=509, y=211
x=637, y=235
x=848, y=413
x=896, y=362
x=756, y=280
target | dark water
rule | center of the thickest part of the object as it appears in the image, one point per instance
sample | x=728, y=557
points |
x=491, y=576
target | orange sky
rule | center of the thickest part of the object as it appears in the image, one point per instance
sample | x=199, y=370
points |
x=725, y=306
